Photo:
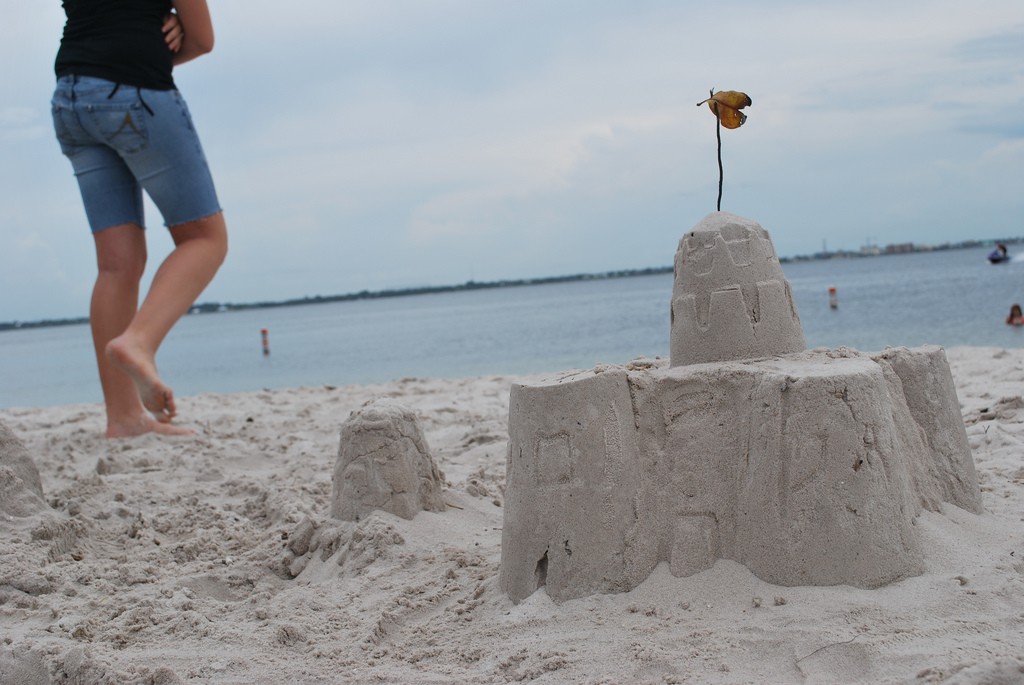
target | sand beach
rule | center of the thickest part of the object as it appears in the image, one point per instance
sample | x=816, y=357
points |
x=214, y=559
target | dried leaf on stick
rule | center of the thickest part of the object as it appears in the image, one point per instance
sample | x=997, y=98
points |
x=726, y=105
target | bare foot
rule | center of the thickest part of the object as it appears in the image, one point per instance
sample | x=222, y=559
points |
x=142, y=424
x=141, y=367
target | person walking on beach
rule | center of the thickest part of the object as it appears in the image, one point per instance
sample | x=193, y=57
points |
x=125, y=128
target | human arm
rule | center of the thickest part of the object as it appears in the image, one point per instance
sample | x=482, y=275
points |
x=197, y=40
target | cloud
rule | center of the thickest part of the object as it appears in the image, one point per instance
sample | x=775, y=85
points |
x=18, y=124
x=360, y=144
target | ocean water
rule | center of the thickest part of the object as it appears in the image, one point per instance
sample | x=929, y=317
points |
x=947, y=298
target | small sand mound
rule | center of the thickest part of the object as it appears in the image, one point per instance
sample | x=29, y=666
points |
x=21, y=491
x=384, y=463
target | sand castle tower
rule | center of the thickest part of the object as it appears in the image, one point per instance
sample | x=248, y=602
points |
x=806, y=466
x=730, y=299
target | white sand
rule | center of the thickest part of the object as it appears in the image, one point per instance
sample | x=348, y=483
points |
x=168, y=562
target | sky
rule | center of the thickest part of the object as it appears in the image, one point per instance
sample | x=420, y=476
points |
x=378, y=144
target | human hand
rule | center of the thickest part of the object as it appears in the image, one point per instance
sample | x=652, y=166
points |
x=174, y=33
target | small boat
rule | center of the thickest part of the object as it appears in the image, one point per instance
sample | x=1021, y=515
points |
x=999, y=255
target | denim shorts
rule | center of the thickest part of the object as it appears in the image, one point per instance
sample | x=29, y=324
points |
x=122, y=140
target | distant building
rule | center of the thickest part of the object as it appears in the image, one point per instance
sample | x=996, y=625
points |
x=901, y=248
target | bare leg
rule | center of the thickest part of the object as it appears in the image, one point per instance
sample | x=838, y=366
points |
x=200, y=248
x=121, y=259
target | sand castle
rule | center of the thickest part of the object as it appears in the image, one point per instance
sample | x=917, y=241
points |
x=21, y=490
x=808, y=467
x=384, y=463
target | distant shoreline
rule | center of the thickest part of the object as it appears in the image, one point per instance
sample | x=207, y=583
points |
x=213, y=307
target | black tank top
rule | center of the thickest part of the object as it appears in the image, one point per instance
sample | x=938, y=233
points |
x=117, y=40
